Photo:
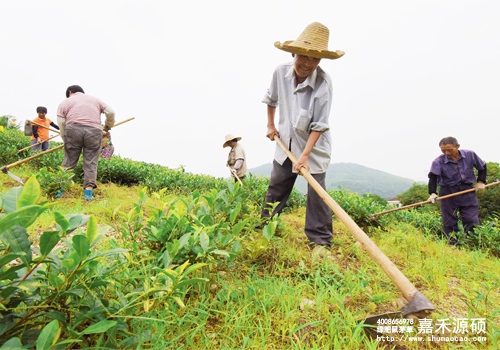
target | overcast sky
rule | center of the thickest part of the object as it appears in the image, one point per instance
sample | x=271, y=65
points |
x=191, y=72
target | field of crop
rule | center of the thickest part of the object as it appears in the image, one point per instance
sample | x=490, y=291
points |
x=175, y=262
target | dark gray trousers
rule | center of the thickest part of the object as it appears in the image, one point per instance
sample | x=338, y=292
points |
x=466, y=204
x=319, y=226
x=86, y=140
x=44, y=146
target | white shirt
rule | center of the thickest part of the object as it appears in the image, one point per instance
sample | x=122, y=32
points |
x=302, y=109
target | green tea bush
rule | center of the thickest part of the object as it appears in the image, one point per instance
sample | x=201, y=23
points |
x=66, y=292
x=54, y=182
x=485, y=237
x=11, y=141
x=359, y=208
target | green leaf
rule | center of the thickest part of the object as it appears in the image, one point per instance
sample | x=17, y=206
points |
x=48, y=336
x=24, y=217
x=5, y=259
x=221, y=252
x=10, y=198
x=75, y=221
x=184, y=239
x=179, y=301
x=30, y=193
x=91, y=228
x=18, y=240
x=234, y=213
x=194, y=268
x=12, y=344
x=65, y=341
x=111, y=252
x=191, y=281
x=81, y=246
x=55, y=281
x=48, y=240
x=61, y=221
x=204, y=241
x=99, y=327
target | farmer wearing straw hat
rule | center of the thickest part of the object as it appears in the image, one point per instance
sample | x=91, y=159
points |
x=236, y=159
x=303, y=92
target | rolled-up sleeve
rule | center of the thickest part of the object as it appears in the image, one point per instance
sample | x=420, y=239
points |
x=61, y=110
x=271, y=97
x=321, y=112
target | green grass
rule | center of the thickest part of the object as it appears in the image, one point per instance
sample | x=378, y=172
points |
x=257, y=303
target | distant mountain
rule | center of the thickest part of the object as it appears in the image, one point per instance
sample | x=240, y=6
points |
x=355, y=177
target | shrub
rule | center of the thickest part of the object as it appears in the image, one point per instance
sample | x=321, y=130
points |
x=57, y=296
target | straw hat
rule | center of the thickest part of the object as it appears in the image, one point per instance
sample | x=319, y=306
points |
x=230, y=137
x=313, y=42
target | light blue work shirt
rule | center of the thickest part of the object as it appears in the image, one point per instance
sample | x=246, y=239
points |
x=302, y=109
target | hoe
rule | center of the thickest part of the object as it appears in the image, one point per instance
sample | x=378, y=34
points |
x=417, y=302
x=5, y=169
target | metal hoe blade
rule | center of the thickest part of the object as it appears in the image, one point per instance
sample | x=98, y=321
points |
x=17, y=178
x=418, y=304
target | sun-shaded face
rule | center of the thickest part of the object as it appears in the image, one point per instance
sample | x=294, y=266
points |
x=305, y=66
x=41, y=115
x=451, y=151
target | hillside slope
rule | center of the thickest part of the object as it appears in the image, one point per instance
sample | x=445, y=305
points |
x=355, y=177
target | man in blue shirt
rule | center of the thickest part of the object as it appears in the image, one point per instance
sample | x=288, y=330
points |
x=453, y=171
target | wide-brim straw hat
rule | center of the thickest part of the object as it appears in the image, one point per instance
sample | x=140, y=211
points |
x=230, y=137
x=312, y=42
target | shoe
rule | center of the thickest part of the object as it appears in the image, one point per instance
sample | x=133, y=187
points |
x=321, y=251
x=261, y=226
x=59, y=193
x=88, y=195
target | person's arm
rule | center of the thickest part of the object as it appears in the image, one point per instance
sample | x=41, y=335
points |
x=238, y=164
x=110, y=118
x=52, y=124
x=62, y=125
x=35, y=132
x=303, y=161
x=481, y=175
x=271, y=128
x=432, y=186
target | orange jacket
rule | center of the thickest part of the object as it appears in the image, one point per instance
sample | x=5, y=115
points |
x=42, y=132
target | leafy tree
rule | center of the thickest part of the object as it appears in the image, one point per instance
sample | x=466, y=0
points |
x=375, y=198
x=489, y=200
x=416, y=193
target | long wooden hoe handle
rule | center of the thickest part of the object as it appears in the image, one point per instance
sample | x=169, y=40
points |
x=429, y=201
x=19, y=162
x=45, y=127
x=404, y=285
x=126, y=120
x=234, y=173
x=7, y=167
x=38, y=143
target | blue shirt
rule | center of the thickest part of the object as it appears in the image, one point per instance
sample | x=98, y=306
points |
x=450, y=172
x=302, y=109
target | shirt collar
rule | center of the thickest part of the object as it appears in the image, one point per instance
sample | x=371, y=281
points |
x=310, y=80
x=461, y=155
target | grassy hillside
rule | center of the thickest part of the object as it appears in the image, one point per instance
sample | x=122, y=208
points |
x=282, y=297
x=183, y=267
x=357, y=178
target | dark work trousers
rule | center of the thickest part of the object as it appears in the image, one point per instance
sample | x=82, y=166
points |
x=44, y=146
x=84, y=139
x=465, y=203
x=319, y=226
x=241, y=178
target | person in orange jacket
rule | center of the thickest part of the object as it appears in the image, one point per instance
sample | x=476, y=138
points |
x=40, y=134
